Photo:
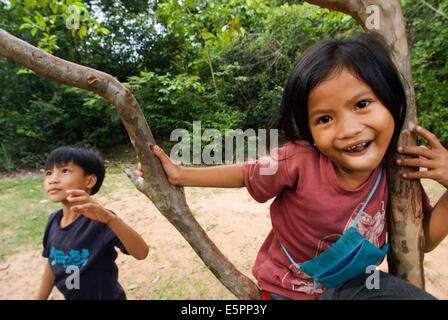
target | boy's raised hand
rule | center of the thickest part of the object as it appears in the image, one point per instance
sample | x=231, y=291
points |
x=172, y=170
x=87, y=206
x=435, y=159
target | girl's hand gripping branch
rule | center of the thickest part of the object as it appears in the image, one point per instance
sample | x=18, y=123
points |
x=435, y=159
x=222, y=176
x=172, y=170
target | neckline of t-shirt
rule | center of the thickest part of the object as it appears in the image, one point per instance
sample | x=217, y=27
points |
x=70, y=225
x=334, y=181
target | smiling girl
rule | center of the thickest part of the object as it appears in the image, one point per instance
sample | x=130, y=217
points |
x=342, y=110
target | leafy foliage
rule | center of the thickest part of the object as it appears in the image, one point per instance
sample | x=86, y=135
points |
x=428, y=40
x=220, y=62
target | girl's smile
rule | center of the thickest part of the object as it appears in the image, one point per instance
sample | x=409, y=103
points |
x=349, y=125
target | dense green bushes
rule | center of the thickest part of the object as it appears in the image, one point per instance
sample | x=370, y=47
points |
x=223, y=63
x=427, y=31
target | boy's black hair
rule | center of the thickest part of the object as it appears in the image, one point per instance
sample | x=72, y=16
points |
x=89, y=160
x=364, y=55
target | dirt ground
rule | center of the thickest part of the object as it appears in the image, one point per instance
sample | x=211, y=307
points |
x=172, y=270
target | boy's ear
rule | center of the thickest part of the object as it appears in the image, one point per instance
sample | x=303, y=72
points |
x=91, y=181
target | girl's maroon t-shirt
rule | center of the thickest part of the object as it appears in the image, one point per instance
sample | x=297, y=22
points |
x=311, y=210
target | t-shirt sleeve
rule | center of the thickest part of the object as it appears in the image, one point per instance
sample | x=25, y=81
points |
x=46, y=250
x=117, y=243
x=426, y=204
x=266, y=177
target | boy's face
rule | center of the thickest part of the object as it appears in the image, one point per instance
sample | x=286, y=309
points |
x=65, y=177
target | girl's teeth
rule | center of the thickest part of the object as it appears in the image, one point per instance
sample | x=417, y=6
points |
x=358, y=147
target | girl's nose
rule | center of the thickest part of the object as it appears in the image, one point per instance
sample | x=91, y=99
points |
x=349, y=127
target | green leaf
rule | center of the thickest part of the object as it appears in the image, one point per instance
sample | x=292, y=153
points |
x=26, y=19
x=104, y=30
x=208, y=36
x=39, y=19
x=33, y=31
x=43, y=3
x=23, y=71
x=82, y=32
x=25, y=26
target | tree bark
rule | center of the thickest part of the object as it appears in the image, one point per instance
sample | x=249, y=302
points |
x=406, y=237
x=169, y=199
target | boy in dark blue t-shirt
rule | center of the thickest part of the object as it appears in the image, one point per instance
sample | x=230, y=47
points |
x=79, y=239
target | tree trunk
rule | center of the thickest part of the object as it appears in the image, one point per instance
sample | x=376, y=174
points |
x=169, y=199
x=406, y=236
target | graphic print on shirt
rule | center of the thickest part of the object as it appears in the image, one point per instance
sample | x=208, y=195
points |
x=369, y=226
x=297, y=280
x=74, y=258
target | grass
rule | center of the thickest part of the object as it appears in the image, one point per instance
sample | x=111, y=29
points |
x=24, y=209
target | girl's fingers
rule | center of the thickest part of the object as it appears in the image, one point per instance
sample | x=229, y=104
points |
x=416, y=162
x=429, y=136
x=416, y=151
x=163, y=157
x=418, y=175
x=139, y=170
x=158, y=151
x=155, y=149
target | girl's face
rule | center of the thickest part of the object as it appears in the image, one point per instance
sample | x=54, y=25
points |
x=349, y=124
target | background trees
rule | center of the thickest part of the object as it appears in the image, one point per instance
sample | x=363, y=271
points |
x=222, y=62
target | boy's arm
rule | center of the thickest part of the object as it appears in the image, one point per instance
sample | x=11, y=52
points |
x=46, y=284
x=83, y=203
x=135, y=245
x=223, y=176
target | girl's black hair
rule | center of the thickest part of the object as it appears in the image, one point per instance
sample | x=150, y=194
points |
x=89, y=160
x=364, y=55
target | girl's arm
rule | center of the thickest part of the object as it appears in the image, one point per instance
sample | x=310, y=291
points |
x=435, y=225
x=224, y=176
x=82, y=202
x=46, y=284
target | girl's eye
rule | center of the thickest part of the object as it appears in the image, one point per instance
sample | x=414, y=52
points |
x=362, y=104
x=65, y=170
x=48, y=173
x=324, y=119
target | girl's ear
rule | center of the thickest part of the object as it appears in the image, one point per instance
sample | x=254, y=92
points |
x=91, y=181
